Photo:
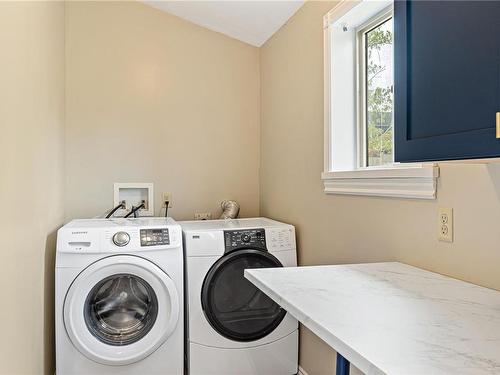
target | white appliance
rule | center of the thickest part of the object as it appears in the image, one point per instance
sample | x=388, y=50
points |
x=234, y=328
x=119, y=297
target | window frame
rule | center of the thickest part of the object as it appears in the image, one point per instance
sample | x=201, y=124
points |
x=409, y=180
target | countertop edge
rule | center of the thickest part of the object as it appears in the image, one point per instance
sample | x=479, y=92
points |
x=333, y=341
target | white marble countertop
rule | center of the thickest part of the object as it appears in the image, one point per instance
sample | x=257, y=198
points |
x=391, y=318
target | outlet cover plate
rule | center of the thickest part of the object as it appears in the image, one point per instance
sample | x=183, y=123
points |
x=203, y=216
x=445, y=224
x=167, y=196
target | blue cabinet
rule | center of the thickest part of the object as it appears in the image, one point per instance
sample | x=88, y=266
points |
x=447, y=79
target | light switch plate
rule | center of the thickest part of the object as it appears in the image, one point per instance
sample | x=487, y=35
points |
x=445, y=224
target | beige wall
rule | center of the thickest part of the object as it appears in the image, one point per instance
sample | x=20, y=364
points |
x=153, y=98
x=343, y=229
x=31, y=180
x=150, y=97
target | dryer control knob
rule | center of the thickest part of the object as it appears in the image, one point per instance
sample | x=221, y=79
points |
x=121, y=239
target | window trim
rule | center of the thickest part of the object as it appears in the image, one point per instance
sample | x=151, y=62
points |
x=409, y=180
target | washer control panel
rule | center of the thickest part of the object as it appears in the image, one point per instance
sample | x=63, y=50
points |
x=154, y=237
x=234, y=239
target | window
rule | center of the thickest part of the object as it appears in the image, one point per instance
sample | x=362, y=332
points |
x=376, y=75
x=359, y=113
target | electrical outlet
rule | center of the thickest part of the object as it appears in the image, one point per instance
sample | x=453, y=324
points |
x=167, y=197
x=203, y=216
x=445, y=224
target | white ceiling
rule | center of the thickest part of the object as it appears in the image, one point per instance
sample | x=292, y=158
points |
x=252, y=22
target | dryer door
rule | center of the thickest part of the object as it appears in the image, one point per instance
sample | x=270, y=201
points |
x=120, y=309
x=235, y=307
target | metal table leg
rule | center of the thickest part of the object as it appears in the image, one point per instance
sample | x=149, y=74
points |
x=343, y=365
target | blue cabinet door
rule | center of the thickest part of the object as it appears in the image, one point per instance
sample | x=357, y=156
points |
x=447, y=79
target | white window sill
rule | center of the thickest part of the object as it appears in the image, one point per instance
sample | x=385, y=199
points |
x=416, y=181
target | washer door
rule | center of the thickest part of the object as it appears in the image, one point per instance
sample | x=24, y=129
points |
x=235, y=307
x=120, y=309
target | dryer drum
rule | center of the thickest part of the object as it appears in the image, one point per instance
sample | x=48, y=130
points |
x=234, y=307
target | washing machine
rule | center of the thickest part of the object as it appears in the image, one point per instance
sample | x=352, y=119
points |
x=119, y=297
x=233, y=327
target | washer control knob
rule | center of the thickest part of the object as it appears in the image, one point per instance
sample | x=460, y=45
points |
x=121, y=238
x=245, y=238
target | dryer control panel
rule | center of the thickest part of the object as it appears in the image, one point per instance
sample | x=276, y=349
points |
x=281, y=238
x=234, y=239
